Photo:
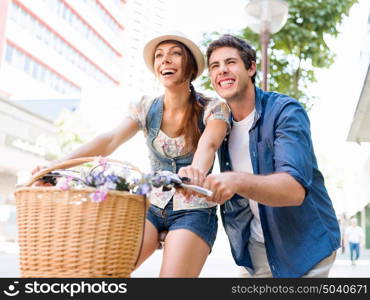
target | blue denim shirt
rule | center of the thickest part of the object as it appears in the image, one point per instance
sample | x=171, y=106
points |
x=296, y=237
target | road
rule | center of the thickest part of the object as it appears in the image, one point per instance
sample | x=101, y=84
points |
x=219, y=263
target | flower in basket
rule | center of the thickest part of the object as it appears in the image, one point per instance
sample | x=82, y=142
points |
x=103, y=176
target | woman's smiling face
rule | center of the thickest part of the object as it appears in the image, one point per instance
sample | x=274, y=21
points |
x=168, y=61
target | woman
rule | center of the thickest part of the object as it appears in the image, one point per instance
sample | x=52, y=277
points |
x=183, y=130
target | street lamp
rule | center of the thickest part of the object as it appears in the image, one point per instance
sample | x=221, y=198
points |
x=266, y=17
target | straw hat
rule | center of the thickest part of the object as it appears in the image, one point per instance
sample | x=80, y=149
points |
x=150, y=47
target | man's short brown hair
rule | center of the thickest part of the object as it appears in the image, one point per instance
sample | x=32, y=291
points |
x=246, y=51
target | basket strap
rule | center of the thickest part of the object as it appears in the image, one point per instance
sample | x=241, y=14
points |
x=75, y=162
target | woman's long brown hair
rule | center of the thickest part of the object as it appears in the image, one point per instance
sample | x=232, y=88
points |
x=190, y=122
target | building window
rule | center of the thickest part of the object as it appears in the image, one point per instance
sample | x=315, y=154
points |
x=18, y=59
x=39, y=72
x=101, y=12
x=49, y=38
x=27, y=65
x=9, y=54
x=68, y=15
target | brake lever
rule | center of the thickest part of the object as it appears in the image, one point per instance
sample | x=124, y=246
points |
x=50, y=178
x=198, y=189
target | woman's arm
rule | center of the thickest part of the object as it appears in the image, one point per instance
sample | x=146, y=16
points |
x=107, y=142
x=208, y=144
x=102, y=145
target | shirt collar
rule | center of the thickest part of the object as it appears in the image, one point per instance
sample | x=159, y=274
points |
x=258, y=105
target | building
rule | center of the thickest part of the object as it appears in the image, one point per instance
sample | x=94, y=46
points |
x=50, y=51
x=84, y=53
x=56, y=48
x=24, y=140
x=144, y=19
x=360, y=133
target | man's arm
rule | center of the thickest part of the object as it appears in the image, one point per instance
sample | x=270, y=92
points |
x=279, y=189
x=291, y=175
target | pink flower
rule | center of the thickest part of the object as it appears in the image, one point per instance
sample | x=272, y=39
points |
x=99, y=195
x=64, y=183
x=103, y=162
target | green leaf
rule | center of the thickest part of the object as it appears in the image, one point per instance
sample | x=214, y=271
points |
x=299, y=47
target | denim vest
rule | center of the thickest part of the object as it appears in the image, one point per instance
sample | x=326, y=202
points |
x=153, y=124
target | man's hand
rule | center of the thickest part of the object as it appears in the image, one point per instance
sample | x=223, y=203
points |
x=222, y=185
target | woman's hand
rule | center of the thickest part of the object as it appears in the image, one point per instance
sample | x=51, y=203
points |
x=196, y=177
x=38, y=169
x=35, y=171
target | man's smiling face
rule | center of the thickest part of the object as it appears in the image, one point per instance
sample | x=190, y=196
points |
x=228, y=74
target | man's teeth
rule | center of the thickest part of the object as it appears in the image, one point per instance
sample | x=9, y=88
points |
x=226, y=82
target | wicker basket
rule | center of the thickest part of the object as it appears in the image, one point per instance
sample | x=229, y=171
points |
x=62, y=236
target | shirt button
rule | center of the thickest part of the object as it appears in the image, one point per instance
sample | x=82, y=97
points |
x=227, y=163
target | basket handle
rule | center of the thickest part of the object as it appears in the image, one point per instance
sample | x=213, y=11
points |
x=75, y=162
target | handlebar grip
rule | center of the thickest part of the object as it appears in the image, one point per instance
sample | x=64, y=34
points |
x=198, y=189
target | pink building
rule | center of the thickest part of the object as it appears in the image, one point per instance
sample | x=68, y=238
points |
x=53, y=48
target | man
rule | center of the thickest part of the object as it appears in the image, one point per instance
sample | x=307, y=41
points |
x=354, y=238
x=275, y=208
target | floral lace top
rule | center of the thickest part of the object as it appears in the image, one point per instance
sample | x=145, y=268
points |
x=174, y=147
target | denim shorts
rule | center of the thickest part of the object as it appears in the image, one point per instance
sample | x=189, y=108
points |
x=201, y=221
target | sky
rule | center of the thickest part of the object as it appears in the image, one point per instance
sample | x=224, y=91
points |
x=193, y=17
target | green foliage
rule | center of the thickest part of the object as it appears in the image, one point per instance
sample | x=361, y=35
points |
x=299, y=47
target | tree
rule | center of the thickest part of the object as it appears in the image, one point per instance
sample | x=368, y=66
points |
x=299, y=47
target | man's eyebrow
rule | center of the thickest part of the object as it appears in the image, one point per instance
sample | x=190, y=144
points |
x=231, y=58
x=226, y=60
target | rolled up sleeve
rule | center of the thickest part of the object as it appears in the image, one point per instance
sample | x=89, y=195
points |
x=293, y=145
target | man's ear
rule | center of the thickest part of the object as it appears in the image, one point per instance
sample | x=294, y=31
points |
x=252, y=69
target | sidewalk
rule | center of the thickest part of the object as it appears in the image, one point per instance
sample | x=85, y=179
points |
x=219, y=264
